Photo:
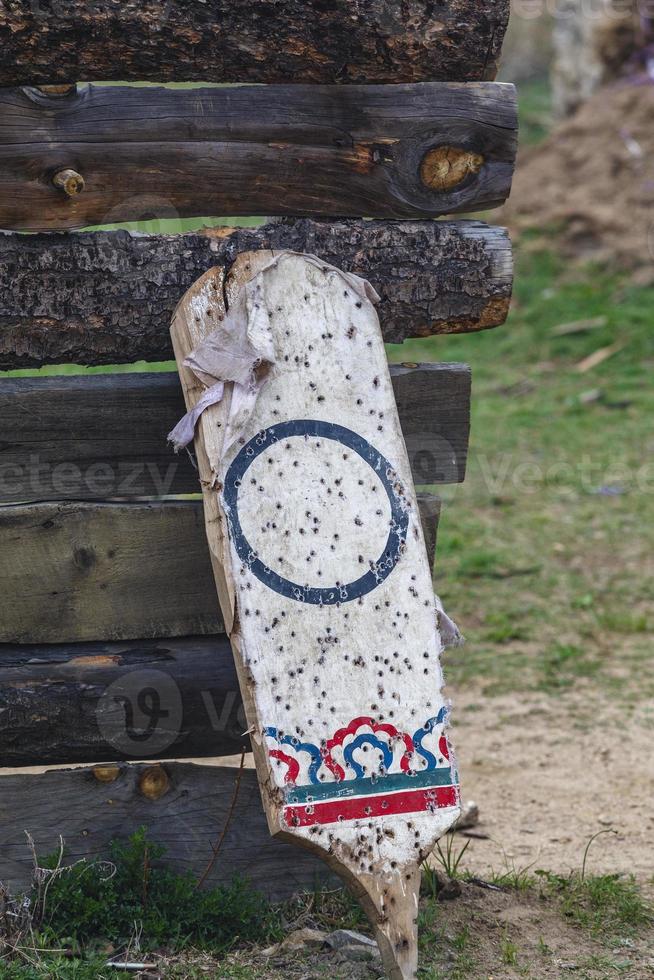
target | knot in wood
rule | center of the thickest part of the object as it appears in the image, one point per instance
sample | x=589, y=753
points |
x=444, y=167
x=106, y=774
x=69, y=181
x=154, y=782
x=57, y=91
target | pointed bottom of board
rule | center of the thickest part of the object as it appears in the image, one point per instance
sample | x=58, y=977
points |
x=391, y=904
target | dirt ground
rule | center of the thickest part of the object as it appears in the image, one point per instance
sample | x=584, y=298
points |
x=546, y=777
x=481, y=936
x=591, y=182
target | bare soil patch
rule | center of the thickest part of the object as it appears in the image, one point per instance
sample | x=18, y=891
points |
x=592, y=180
x=548, y=773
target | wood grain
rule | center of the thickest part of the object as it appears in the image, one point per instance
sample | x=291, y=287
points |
x=187, y=819
x=232, y=41
x=98, y=572
x=278, y=150
x=78, y=571
x=107, y=297
x=94, y=437
x=75, y=702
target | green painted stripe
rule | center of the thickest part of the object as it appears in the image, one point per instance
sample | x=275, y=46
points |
x=369, y=787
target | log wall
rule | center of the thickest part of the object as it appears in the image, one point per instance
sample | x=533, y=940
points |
x=107, y=297
x=231, y=41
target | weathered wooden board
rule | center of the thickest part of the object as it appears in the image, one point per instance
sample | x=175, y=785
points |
x=78, y=571
x=189, y=816
x=90, y=438
x=107, y=297
x=98, y=702
x=232, y=41
x=401, y=151
x=322, y=576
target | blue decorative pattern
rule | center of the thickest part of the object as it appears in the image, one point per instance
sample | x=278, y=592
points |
x=333, y=768
x=310, y=428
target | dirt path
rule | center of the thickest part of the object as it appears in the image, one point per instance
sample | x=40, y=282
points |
x=548, y=774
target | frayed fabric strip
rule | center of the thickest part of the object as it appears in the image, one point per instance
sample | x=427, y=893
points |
x=183, y=433
x=241, y=351
x=450, y=633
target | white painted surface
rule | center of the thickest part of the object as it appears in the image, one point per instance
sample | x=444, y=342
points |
x=317, y=514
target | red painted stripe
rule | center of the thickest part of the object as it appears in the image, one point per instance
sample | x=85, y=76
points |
x=361, y=807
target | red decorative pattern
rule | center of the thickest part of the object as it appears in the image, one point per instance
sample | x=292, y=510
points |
x=360, y=808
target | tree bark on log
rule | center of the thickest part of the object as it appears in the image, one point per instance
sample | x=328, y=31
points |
x=232, y=41
x=107, y=154
x=99, y=437
x=107, y=297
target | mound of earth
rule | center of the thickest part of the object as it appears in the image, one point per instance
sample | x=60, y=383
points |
x=591, y=182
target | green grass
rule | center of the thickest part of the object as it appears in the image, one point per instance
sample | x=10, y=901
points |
x=534, y=110
x=86, y=905
x=57, y=968
x=449, y=856
x=433, y=941
x=609, y=907
x=545, y=552
x=512, y=878
x=509, y=951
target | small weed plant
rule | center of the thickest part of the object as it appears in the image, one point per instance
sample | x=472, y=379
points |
x=133, y=902
x=103, y=900
x=449, y=857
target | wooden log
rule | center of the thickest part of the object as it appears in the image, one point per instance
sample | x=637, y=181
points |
x=187, y=814
x=401, y=151
x=231, y=41
x=98, y=702
x=98, y=572
x=90, y=438
x=107, y=297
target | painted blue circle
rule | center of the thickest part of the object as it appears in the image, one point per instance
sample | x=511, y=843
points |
x=384, y=472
